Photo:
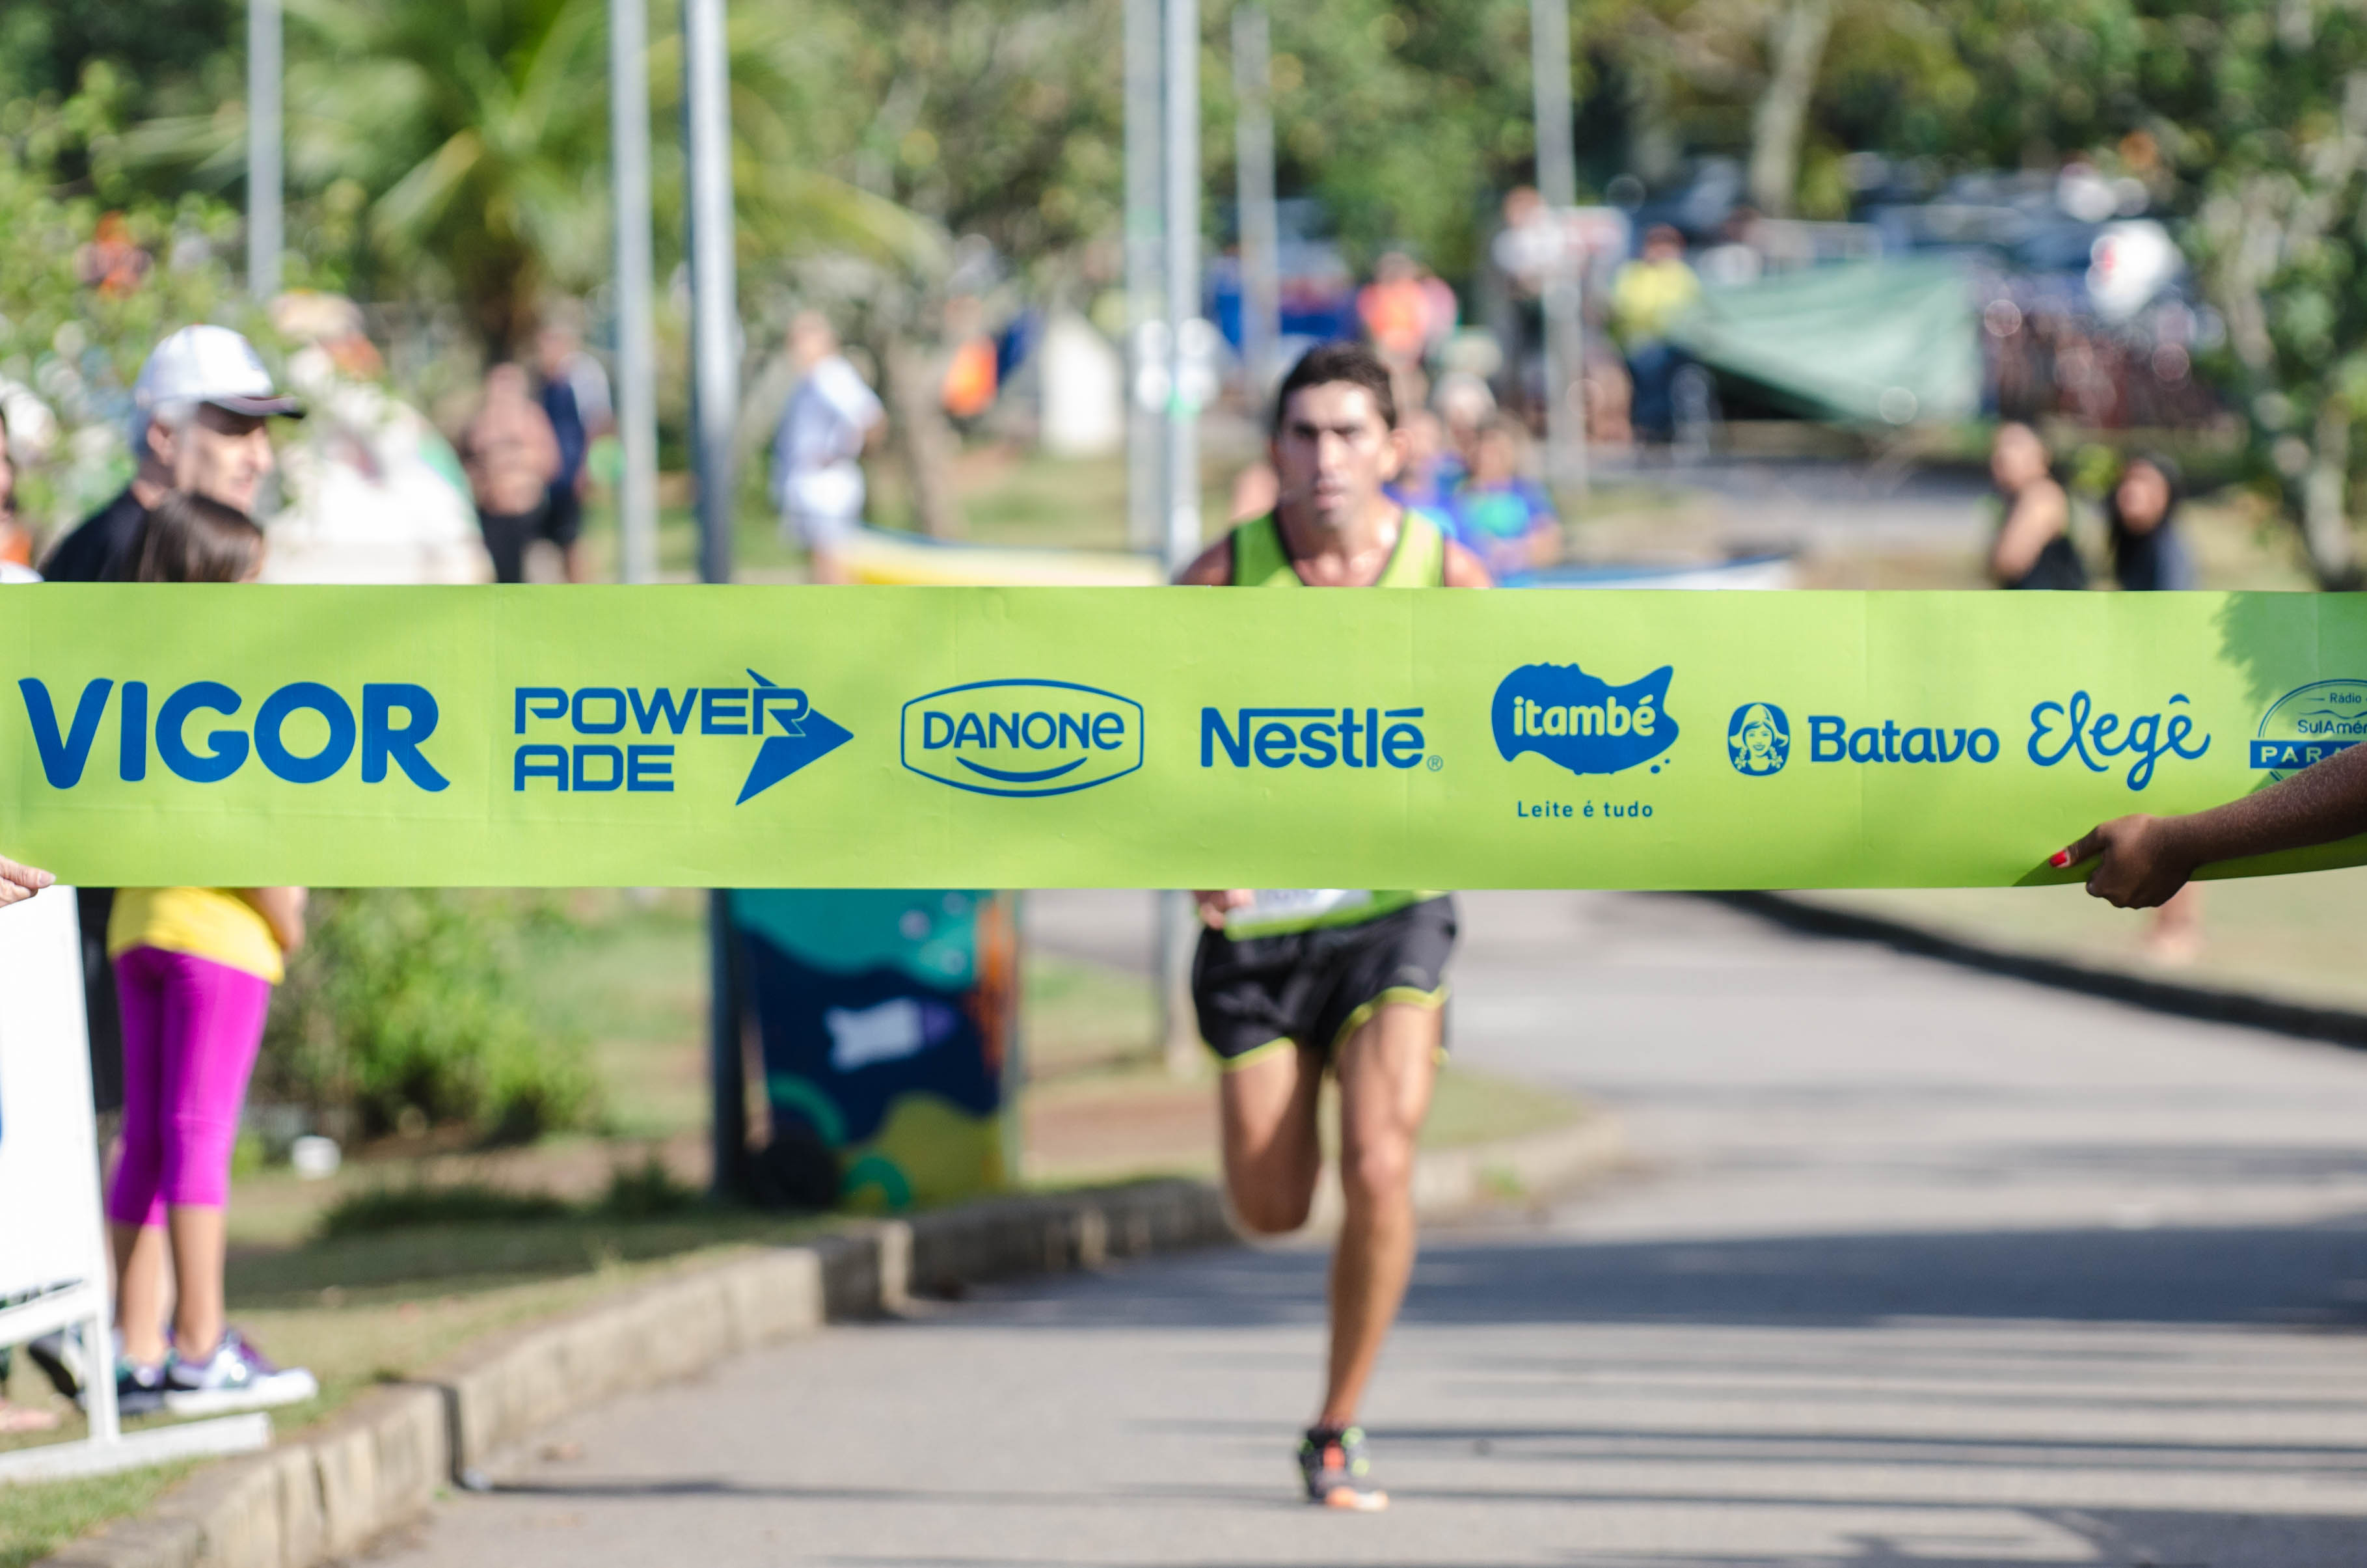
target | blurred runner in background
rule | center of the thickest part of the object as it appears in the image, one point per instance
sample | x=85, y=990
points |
x=511, y=458
x=817, y=479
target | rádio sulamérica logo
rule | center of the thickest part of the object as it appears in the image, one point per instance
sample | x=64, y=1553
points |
x=1023, y=737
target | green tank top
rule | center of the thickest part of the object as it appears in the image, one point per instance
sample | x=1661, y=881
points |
x=1261, y=562
x=1418, y=562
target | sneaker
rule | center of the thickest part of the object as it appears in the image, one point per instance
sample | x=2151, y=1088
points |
x=59, y=1355
x=1334, y=1463
x=139, y=1390
x=235, y=1377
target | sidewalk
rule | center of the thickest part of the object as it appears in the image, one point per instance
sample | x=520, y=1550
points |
x=2290, y=943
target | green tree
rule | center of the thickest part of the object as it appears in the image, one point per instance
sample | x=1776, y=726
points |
x=468, y=141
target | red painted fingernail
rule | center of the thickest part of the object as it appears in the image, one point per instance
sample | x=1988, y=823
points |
x=2059, y=859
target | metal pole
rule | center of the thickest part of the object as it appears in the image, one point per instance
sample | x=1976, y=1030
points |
x=1254, y=185
x=1145, y=233
x=263, y=228
x=1181, y=538
x=1564, y=302
x=1182, y=535
x=714, y=305
x=714, y=405
x=637, y=398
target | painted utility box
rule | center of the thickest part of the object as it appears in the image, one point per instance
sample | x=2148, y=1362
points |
x=889, y=1022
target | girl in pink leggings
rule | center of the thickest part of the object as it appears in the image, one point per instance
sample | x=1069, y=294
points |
x=194, y=968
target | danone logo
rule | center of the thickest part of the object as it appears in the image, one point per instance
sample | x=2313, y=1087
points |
x=1023, y=737
x=1580, y=723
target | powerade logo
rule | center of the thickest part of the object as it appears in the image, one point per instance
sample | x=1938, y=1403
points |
x=1023, y=737
x=1315, y=738
x=303, y=732
x=1576, y=722
x=2309, y=724
x=612, y=759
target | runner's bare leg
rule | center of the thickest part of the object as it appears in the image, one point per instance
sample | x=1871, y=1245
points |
x=1272, y=1154
x=1386, y=1069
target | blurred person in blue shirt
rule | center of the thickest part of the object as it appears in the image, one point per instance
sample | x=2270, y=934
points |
x=1431, y=469
x=574, y=398
x=1499, y=514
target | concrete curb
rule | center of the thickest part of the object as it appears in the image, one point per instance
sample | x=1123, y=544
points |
x=382, y=1462
x=2336, y=1026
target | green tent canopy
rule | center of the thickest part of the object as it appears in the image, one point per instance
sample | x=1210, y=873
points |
x=1864, y=343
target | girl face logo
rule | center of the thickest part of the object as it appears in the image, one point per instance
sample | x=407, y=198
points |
x=1757, y=739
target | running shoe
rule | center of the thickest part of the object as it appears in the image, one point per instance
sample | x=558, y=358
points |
x=59, y=1355
x=1335, y=1465
x=139, y=1390
x=235, y=1377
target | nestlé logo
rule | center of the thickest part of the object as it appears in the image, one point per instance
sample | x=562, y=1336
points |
x=1313, y=737
x=1023, y=737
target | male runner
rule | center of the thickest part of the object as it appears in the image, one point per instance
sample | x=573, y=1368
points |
x=1287, y=984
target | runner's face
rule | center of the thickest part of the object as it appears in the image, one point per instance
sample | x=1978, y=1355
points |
x=1335, y=452
x=222, y=456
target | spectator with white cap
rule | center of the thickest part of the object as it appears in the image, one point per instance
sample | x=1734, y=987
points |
x=198, y=425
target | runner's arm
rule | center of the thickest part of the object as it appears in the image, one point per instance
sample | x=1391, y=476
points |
x=21, y=881
x=1217, y=903
x=2146, y=859
x=1462, y=569
x=1214, y=569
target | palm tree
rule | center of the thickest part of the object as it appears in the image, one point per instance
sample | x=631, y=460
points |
x=477, y=133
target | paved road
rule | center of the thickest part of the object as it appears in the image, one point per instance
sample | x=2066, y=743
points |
x=1919, y=1267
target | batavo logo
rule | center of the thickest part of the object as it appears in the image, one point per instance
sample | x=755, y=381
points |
x=1023, y=737
x=1576, y=722
x=793, y=733
x=304, y=732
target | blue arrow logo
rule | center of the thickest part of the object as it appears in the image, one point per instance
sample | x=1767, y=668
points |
x=806, y=736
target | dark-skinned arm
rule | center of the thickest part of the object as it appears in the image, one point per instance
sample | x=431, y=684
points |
x=2142, y=861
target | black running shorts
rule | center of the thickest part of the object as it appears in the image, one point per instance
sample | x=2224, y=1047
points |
x=1317, y=987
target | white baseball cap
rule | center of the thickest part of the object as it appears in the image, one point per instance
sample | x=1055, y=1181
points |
x=211, y=364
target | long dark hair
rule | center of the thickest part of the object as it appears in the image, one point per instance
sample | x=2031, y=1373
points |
x=190, y=538
x=2172, y=484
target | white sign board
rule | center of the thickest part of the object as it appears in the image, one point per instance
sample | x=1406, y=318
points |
x=49, y=1228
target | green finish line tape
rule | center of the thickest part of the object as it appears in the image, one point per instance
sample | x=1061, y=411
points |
x=1138, y=737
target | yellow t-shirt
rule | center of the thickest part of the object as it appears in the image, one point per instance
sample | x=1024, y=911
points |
x=1647, y=297
x=205, y=923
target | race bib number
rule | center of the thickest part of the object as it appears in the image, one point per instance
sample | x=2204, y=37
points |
x=1291, y=906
